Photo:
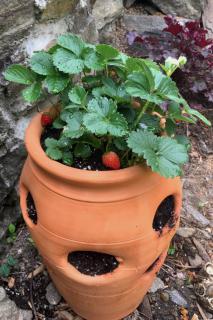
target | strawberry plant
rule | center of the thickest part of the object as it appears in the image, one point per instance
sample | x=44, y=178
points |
x=124, y=110
x=189, y=39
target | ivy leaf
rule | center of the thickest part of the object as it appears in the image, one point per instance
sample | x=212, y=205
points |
x=78, y=95
x=71, y=42
x=106, y=51
x=92, y=60
x=56, y=82
x=82, y=151
x=67, y=62
x=41, y=62
x=74, y=127
x=19, y=74
x=53, y=150
x=164, y=155
x=103, y=118
x=33, y=92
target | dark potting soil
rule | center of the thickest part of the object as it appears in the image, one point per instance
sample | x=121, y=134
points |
x=165, y=214
x=93, y=263
x=31, y=209
x=93, y=163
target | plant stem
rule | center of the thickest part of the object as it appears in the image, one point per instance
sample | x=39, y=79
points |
x=143, y=110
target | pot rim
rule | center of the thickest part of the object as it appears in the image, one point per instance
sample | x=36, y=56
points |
x=39, y=157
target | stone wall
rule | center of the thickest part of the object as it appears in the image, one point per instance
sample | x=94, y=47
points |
x=26, y=26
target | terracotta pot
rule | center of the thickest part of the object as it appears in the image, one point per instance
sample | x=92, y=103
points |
x=108, y=212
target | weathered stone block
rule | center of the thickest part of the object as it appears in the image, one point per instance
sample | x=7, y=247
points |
x=190, y=9
x=54, y=9
x=105, y=12
x=143, y=23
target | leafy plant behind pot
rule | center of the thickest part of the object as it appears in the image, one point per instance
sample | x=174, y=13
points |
x=188, y=39
x=125, y=108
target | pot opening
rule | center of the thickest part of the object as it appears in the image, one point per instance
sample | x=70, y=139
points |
x=92, y=263
x=31, y=209
x=152, y=266
x=165, y=214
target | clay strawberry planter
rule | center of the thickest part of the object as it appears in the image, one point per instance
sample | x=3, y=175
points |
x=107, y=212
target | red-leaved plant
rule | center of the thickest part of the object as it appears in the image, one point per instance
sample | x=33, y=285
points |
x=189, y=39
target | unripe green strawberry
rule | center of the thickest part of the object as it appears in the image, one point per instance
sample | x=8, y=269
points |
x=111, y=160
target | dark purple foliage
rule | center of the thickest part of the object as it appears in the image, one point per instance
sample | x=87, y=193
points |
x=189, y=39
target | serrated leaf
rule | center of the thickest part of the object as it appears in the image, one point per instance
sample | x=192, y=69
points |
x=92, y=60
x=11, y=261
x=51, y=143
x=41, y=62
x=120, y=144
x=54, y=153
x=33, y=92
x=199, y=116
x=78, y=95
x=183, y=140
x=151, y=122
x=74, y=127
x=19, y=74
x=58, y=123
x=102, y=118
x=56, y=82
x=67, y=158
x=5, y=270
x=67, y=62
x=71, y=42
x=163, y=154
x=64, y=142
x=82, y=151
x=170, y=127
x=106, y=51
x=11, y=228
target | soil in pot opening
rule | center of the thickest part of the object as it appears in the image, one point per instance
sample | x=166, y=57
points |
x=93, y=263
x=165, y=214
x=31, y=209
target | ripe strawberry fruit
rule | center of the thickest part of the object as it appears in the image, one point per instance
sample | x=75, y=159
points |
x=111, y=160
x=46, y=120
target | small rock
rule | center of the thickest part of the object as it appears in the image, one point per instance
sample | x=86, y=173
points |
x=128, y=3
x=196, y=261
x=2, y=294
x=134, y=316
x=177, y=298
x=164, y=296
x=185, y=232
x=157, y=284
x=65, y=315
x=199, y=217
x=26, y=315
x=143, y=23
x=52, y=295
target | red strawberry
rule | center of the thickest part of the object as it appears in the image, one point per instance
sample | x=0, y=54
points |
x=111, y=160
x=46, y=120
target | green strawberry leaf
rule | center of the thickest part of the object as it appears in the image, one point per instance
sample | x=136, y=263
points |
x=67, y=158
x=74, y=127
x=53, y=150
x=19, y=74
x=82, y=151
x=78, y=95
x=92, y=60
x=163, y=154
x=106, y=51
x=56, y=82
x=67, y=62
x=72, y=43
x=11, y=261
x=33, y=92
x=41, y=63
x=103, y=118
